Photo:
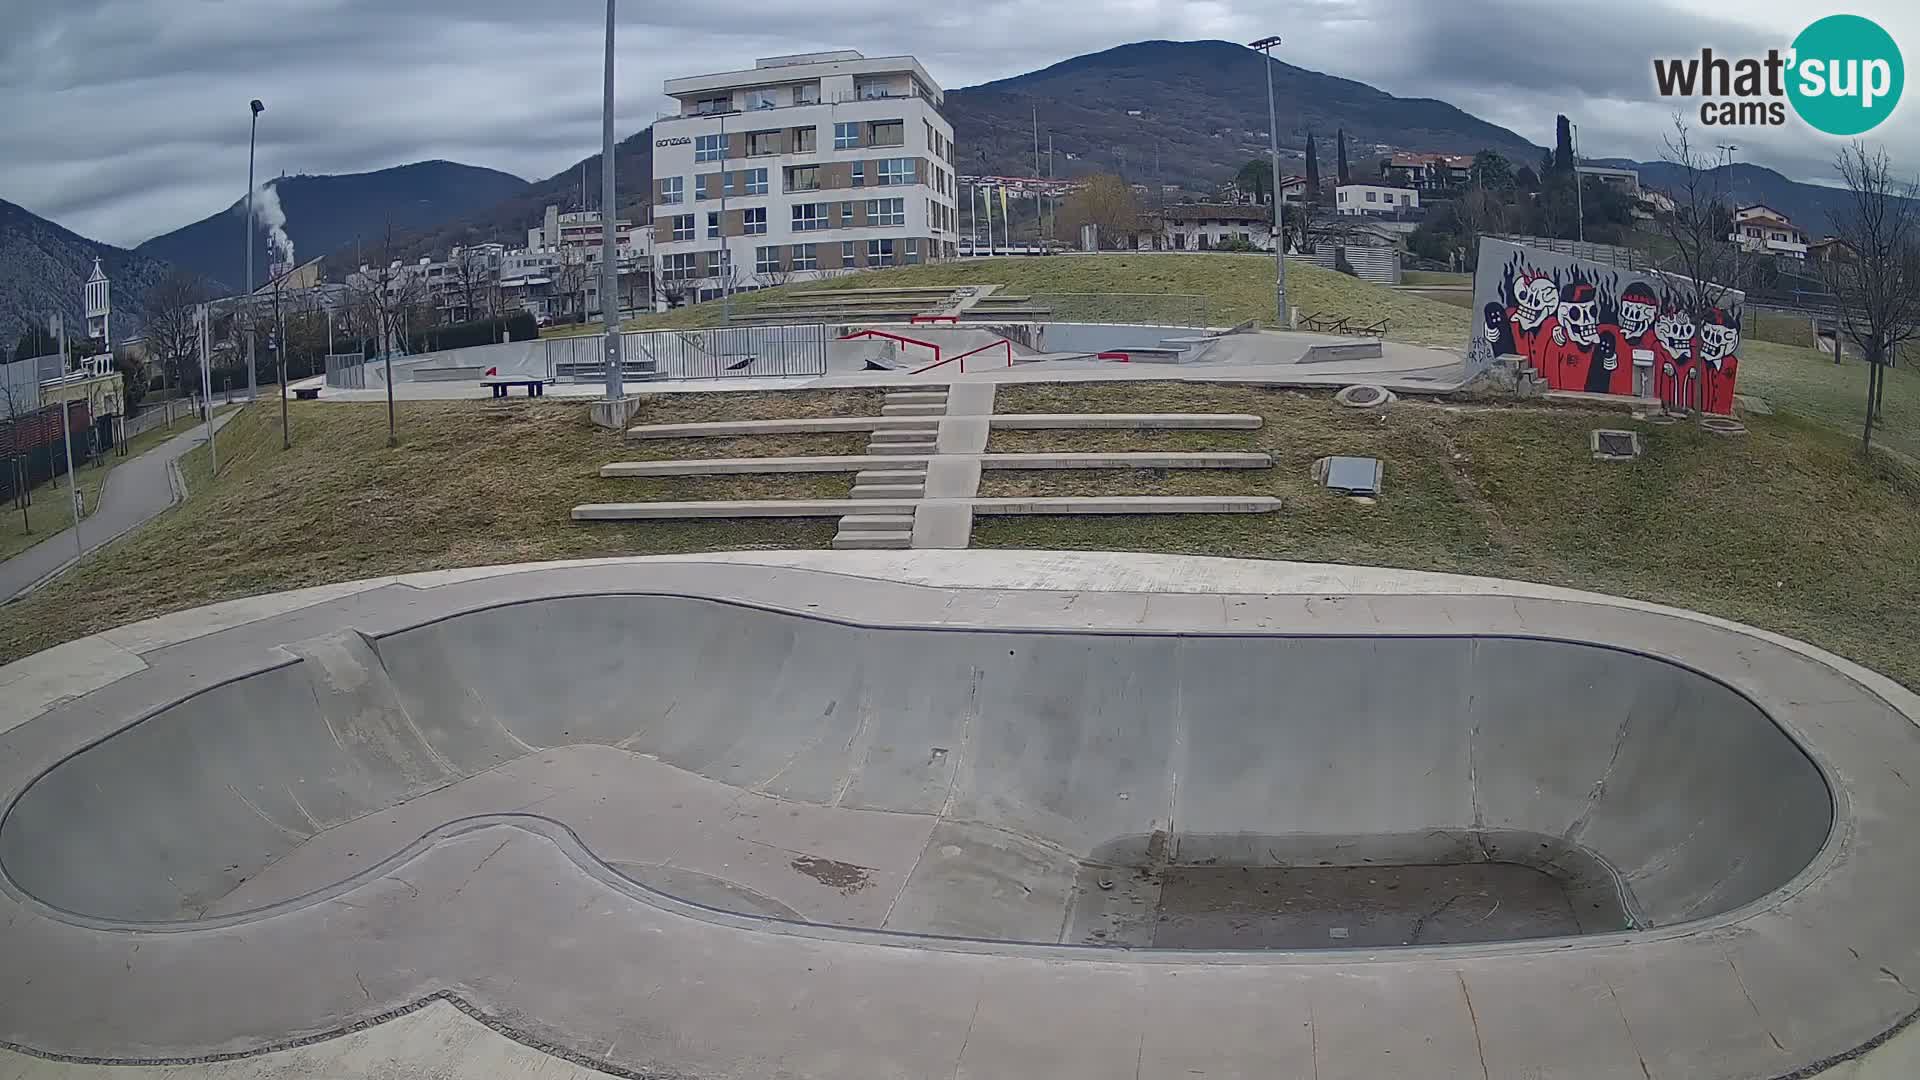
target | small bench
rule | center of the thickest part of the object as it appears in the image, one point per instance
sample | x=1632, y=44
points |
x=501, y=384
x=306, y=393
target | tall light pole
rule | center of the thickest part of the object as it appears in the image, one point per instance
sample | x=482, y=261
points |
x=1579, y=189
x=1265, y=46
x=609, y=270
x=253, y=386
x=1728, y=150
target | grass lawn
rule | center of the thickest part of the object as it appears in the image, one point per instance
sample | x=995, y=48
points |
x=1435, y=277
x=1807, y=382
x=471, y=483
x=1223, y=289
x=1787, y=528
x=51, y=512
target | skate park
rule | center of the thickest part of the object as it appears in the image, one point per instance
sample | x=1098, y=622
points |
x=893, y=813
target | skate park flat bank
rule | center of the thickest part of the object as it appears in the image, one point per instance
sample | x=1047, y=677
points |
x=1011, y=813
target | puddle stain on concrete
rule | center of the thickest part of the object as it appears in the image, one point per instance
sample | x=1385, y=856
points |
x=834, y=874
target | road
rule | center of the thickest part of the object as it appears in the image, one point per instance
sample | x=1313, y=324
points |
x=135, y=492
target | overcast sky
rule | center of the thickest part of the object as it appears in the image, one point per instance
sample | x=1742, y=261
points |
x=124, y=119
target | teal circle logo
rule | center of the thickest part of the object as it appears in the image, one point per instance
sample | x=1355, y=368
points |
x=1847, y=75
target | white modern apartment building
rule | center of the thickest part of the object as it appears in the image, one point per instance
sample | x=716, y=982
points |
x=805, y=166
x=1356, y=199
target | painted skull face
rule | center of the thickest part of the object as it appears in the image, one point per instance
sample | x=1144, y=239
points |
x=1717, y=342
x=1579, y=315
x=1676, y=333
x=1636, y=315
x=1537, y=299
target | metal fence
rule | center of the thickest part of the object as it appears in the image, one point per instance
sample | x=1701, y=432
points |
x=347, y=371
x=1376, y=264
x=734, y=352
x=1620, y=258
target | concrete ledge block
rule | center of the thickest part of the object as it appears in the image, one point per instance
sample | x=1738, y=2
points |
x=1126, y=421
x=739, y=508
x=617, y=412
x=1132, y=460
x=1130, y=504
x=849, y=463
x=800, y=426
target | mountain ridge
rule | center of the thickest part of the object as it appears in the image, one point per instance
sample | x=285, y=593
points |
x=44, y=268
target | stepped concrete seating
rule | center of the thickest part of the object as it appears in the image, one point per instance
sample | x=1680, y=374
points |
x=894, y=466
x=998, y=421
x=809, y=508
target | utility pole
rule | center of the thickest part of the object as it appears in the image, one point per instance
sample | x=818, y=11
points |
x=280, y=359
x=609, y=269
x=1265, y=47
x=66, y=436
x=1728, y=150
x=253, y=385
x=1037, y=205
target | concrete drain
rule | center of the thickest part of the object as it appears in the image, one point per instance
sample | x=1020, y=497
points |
x=1723, y=425
x=1364, y=397
x=1615, y=445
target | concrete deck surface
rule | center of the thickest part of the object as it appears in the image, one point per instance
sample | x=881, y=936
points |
x=538, y=931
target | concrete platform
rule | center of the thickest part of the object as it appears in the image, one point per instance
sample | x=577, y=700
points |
x=900, y=498
x=866, y=462
x=1125, y=421
x=888, y=428
x=341, y=811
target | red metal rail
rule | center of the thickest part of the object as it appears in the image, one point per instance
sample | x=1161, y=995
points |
x=1120, y=356
x=896, y=337
x=919, y=319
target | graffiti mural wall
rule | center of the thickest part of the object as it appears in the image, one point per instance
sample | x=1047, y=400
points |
x=1584, y=326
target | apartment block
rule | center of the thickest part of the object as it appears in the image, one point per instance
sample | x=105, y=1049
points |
x=803, y=167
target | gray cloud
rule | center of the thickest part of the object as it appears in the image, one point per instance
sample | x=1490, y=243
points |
x=127, y=118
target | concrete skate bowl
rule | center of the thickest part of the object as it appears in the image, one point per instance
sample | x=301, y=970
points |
x=1138, y=790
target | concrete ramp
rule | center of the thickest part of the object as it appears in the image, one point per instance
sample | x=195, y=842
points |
x=978, y=783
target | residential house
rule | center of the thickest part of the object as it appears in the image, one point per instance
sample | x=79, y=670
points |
x=1428, y=172
x=1760, y=229
x=1375, y=200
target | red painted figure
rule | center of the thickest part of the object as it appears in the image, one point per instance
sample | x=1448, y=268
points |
x=1634, y=341
x=1675, y=377
x=1718, y=362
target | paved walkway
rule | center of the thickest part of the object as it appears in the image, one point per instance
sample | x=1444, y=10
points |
x=136, y=491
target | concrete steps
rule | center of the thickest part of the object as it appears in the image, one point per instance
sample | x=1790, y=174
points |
x=888, y=491
x=914, y=410
x=916, y=397
x=871, y=532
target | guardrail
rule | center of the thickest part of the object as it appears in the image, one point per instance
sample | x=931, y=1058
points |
x=962, y=358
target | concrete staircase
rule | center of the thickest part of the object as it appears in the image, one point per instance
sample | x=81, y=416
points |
x=894, y=530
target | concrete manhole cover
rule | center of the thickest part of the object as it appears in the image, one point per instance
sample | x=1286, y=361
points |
x=1349, y=475
x=1723, y=425
x=1364, y=397
x=1615, y=445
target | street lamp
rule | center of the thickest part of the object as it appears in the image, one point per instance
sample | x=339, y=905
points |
x=253, y=388
x=1265, y=47
x=609, y=269
x=1728, y=150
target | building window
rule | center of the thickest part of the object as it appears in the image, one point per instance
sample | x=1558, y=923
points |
x=846, y=214
x=708, y=147
x=887, y=133
x=763, y=99
x=847, y=256
x=933, y=138
x=803, y=140
x=700, y=187
x=755, y=220
x=803, y=178
x=713, y=225
x=913, y=252
x=673, y=189
x=807, y=94
x=756, y=181
x=766, y=260
x=886, y=211
x=679, y=267
x=859, y=174
x=895, y=171
x=809, y=217
x=879, y=253
x=1406, y=200
x=683, y=227
x=1370, y=196
x=714, y=104
x=846, y=136
x=762, y=143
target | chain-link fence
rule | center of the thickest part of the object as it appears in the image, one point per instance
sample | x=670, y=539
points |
x=347, y=371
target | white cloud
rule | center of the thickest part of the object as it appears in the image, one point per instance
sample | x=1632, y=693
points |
x=127, y=118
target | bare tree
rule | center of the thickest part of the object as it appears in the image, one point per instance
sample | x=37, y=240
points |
x=1875, y=277
x=570, y=284
x=1479, y=211
x=15, y=412
x=473, y=280
x=385, y=295
x=170, y=313
x=1700, y=226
